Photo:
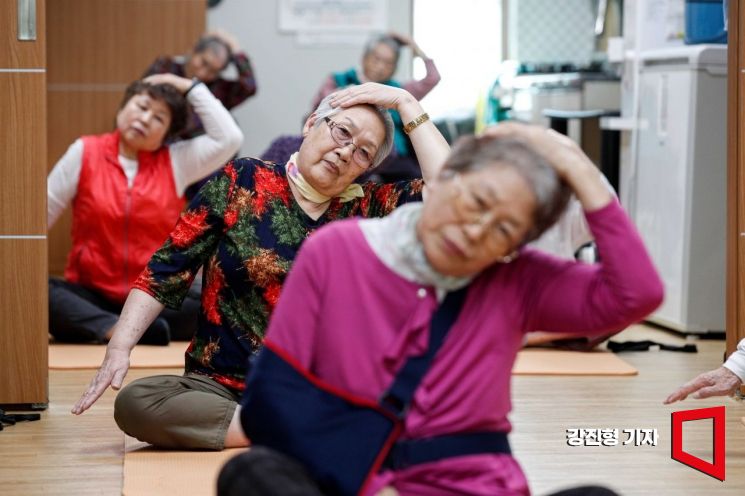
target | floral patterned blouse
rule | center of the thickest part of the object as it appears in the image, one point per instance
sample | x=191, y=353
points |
x=245, y=228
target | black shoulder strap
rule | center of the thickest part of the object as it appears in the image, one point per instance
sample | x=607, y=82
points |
x=399, y=395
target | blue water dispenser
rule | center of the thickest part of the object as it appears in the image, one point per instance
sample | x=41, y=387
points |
x=705, y=21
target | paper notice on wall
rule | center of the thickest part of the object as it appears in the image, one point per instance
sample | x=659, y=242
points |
x=663, y=24
x=333, y=15
x=331, y=38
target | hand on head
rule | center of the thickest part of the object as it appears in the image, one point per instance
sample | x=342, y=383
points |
x=718, y=382
x=405, y=40
x=401, y=38
x=565, y=156
x=560, y=151
x=383, y=95
x=181, y=84
x=227, y=38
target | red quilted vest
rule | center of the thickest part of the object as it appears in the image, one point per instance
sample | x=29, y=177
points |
x=115, y=230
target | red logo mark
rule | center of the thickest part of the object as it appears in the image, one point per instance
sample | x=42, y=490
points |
x=716, y=413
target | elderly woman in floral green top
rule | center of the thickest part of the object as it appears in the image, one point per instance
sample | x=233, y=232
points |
x=245, y=228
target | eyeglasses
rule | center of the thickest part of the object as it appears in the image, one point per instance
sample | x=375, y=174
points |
x=475, y=211
x=343, y=138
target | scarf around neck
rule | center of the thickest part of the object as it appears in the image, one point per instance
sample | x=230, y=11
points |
x=351, y=192
x=394, y=240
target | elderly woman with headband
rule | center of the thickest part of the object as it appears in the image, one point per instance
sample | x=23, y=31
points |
x=398, y=335
x=245, y=227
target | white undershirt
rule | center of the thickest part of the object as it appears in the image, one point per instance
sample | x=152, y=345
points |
x=130, y=167
x=191, y=159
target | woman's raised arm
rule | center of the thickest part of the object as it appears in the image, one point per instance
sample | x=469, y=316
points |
x=139, y=311
x=430, y=146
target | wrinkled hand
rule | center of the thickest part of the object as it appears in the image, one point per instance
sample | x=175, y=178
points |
x=386, y=96
x=401, y=38
x=181, y=84
x=113, y=369
x=718, y=382
x=405, y=40
x=558, y=150
x=565, y=156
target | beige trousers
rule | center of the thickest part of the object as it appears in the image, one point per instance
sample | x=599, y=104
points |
x=182, y=412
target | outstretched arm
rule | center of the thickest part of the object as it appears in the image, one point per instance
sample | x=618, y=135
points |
x=419, y=88
x=139, y=311
x=717, y=382
x=723, y=381
x=62, y=182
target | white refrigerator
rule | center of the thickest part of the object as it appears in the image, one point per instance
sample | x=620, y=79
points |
x=678, y=190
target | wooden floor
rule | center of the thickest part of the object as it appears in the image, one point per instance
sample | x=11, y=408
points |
x=67, y=455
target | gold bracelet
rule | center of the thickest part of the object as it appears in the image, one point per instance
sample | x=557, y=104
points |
x=416, y=122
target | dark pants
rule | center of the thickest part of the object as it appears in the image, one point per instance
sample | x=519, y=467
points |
x=78, y=314
x=265, y=472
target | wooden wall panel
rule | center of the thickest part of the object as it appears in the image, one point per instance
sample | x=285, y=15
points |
x=117, y=39
x=95, y=49
x=21, y=54
x=23, y=306
x=736, y=178
x=77, y=113
x=60, y=243
x=23, y=155
x=23, y=245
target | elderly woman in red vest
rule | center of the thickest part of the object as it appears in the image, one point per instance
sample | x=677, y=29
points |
x=126, y=189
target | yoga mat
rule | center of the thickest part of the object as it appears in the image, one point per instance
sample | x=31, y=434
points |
x=149, y=471
x=558, y=362
x=90, y=356
x=529, y=362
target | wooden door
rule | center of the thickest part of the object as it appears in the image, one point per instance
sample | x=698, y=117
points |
x=23, y=244
x=95, y=49
x=736, y=178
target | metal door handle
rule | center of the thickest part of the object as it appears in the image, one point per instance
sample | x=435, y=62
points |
x=27, y=20
x=662, y=107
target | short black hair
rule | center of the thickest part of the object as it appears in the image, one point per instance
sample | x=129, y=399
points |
x=166, y=93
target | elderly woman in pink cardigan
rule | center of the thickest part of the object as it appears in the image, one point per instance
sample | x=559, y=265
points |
x=363, y=302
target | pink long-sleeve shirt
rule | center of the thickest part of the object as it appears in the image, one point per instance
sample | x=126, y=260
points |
x=352, y=321
x=419, y=88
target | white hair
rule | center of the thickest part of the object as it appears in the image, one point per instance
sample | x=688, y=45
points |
x=325, y=109
x=383, y=39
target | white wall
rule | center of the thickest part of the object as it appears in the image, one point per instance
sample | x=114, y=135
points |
x=288, y=75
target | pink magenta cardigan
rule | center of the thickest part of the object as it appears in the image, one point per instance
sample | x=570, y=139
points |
x=350, y=320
